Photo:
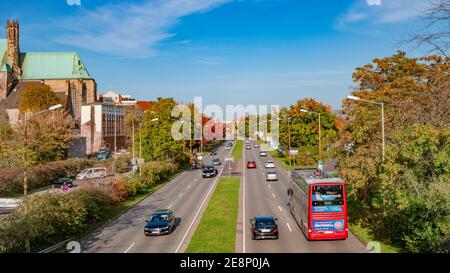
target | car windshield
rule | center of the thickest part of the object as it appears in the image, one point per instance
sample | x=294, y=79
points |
x=209, y=168
x=264, y=222
x=272, y=173
x=159, y=218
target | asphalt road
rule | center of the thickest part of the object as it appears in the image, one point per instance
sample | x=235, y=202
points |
x=270, y=198
x=187, y=195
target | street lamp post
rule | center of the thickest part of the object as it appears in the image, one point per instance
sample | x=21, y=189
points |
x=25, y=176
x=382, y=121
x=320, y=128
x=27, y=116
x=289, y=141
x=140, y=143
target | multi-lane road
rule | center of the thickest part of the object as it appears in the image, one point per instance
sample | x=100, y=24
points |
x=270, y=198
x=188, y=195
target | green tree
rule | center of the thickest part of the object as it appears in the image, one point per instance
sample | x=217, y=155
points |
x=37, y=97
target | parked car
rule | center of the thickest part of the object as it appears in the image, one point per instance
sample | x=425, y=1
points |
x=264, y=227
x=271, y=176
x=209, y=171
x=263, y=154
x=251, y=165
x=216, y=161
x=58, y=182
x=269, y=164
x=160, y=222
x=92, y=173
x=103, y=154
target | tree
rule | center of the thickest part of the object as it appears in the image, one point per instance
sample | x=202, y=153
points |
x=397, y=194
x=37, y=97
x=435, y=32
x=157, y=140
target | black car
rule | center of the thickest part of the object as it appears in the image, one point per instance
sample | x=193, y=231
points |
x=264, y=227
x=213, y=152
x=160, y=222
x=60, y=181
x=209, y=171
x=216, y=161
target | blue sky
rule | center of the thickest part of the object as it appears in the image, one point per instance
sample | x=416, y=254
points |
x=227, y=51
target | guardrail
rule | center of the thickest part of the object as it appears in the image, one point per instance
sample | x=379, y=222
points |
x=55, y=247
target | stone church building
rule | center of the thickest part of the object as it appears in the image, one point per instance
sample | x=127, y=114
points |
x=64, y=72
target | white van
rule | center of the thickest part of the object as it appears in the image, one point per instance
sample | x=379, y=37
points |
x=92, y=173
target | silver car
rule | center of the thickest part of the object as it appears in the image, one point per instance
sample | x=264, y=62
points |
x=271, y=176
x=269, y=164
x=92, y=173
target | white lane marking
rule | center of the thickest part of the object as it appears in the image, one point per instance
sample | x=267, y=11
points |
x=280, y=208
x=128, y=249
x=180, y=195
x=170, y=206
x=243, y=200
x=273, y=194
x=270, y=186
x=289, y=227
x=199, y=209
x=189, y=186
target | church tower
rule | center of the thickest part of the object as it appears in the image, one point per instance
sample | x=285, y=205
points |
x=13, y=51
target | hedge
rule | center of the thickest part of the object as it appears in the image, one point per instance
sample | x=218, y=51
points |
x=11, y=179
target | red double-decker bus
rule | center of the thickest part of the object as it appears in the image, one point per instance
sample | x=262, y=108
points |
x=318, y=204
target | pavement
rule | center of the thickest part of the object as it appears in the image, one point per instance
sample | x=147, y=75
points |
x=259, y=197
x=187, y=195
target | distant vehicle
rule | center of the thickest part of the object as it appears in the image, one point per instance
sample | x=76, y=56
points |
x=248, y=147
x=263, y=154
x=160, y=222
x=269, y=164
x=247, y=142
x=318, y=203
x=216, y=161
x=271, y=176
x=264, y=227
x=256, y=145
x=197, y=161
x=60, y=181
x=209, y=171
x=251, y=165
x=92, y=173
x=213, y=152
x=228, y=147
x=103, y=154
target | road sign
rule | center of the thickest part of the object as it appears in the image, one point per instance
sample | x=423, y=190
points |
x=293, y=152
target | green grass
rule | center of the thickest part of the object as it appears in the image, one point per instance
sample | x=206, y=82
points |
x=237, y=150
x=216, y=232
x=363, y=235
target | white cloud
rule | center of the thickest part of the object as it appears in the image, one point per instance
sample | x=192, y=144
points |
x=73, y=2
x=131, y=30
x=382, y=12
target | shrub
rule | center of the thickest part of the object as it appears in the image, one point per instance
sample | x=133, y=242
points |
x=11, y=180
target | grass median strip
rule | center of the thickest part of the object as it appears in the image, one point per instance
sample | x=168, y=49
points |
x=237, y=150
x=216, y=232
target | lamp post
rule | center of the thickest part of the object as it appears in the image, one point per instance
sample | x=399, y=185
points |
x=27, y=116
x=25, y=176
x=140, y=143
x=382, y=120
x=320, y=127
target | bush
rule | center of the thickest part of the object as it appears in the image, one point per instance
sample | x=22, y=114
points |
x=11, y=179
x=52, y=217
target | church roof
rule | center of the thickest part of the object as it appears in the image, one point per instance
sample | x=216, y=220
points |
x=47, y=65
x=52, y=65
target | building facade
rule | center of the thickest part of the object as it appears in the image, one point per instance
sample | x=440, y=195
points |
x=64, y=72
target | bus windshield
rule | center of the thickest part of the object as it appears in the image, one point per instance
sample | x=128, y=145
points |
x=327, y=198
